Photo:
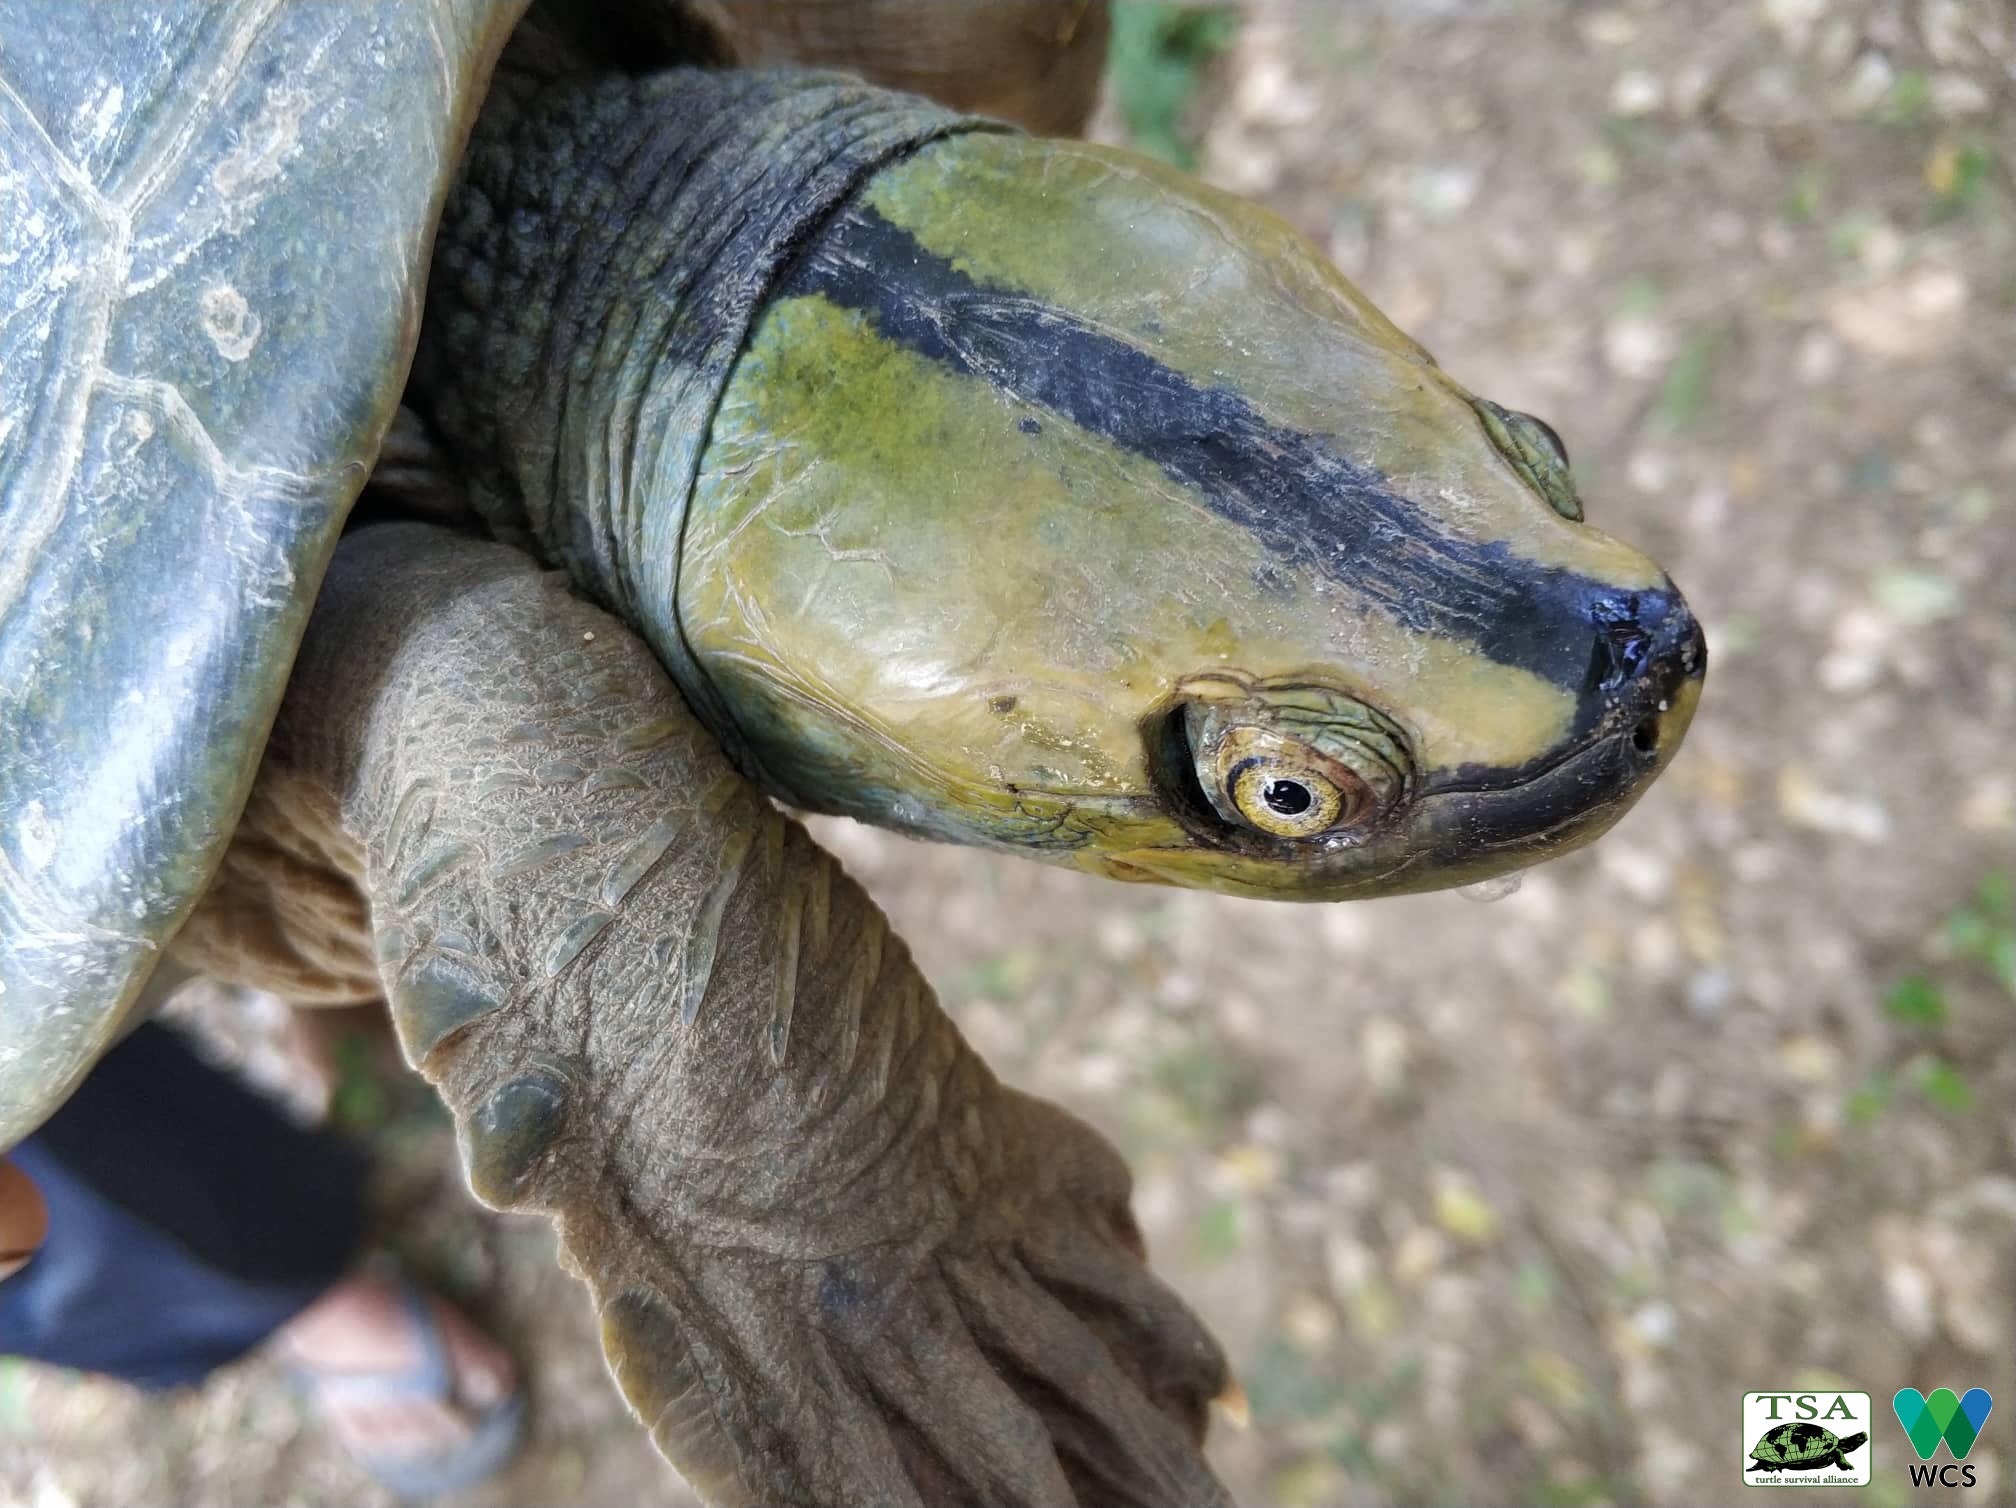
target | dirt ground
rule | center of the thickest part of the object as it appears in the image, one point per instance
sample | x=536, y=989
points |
x=1511, y=1204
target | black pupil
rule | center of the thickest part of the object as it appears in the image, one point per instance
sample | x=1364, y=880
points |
x=1290, y=798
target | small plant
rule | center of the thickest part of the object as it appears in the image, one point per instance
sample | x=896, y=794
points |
x=1210, y=1084
x=1981, y=933
x=1158, y=60
x=363, y=1097
x=1984, y=930
x=1905, y=104
x=1807, y=196
x=1958, y=173
x=1218, y=1233
x=1689, y=380
x=1944, y=1086
x=1915, y=1001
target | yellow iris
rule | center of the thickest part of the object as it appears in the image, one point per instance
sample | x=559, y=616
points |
x=1282, y=786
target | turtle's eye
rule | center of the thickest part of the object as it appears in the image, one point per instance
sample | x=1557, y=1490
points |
x=1536, y=453
x=1282, y=760
x=1283, y=786
x=1291, y=804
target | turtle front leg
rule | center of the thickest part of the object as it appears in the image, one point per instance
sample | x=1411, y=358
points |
x=835, y=1260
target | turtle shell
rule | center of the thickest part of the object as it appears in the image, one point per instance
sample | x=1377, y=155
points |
x=215, y=223
x=1790, y=1443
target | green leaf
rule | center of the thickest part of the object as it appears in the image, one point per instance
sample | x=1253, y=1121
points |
x=1958, y=179
x=1218, y=1233
x=1913, y=595
x=1909, y=94
x=1808, y=195
x=1534, y=1285
x=1156, y=63
x=1986, y=930
x=1997, y=896
x=361, y=1100
x=1209, y=1083
x=1869, y=1102
x=1945, y=1086
x=1847, y=235
x=1689, y=381
x=2002, y=960
x=1915, y=1001
x=1970, y=933
x=1640, y=295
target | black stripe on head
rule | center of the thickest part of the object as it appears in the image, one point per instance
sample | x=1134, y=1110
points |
x=1308, y=505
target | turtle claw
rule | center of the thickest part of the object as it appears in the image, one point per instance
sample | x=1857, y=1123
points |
x=963, y=1433
x=966, y=1381
x=1032, y=1362
x=1035, y=1359
x=1118, y=1442
x=1150, y=1333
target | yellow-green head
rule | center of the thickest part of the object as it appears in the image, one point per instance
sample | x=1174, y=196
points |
x=1062, y=504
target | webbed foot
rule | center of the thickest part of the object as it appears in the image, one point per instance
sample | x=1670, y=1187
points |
x=1030, y=1360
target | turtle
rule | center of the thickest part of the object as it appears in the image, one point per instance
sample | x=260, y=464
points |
x=1803, y=1447
x=771, y=439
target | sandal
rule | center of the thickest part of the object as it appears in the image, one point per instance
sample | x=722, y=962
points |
x=495, y=1433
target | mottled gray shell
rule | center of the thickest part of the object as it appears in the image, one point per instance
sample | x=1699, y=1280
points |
x=214, y=227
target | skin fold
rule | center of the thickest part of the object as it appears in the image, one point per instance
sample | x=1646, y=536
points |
x=835, y=1261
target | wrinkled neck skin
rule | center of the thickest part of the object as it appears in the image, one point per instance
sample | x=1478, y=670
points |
x=598, y=269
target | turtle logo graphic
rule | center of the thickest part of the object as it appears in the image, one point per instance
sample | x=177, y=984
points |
x=1956, y=1418
x=1803, y=1447
x=1806, y=1439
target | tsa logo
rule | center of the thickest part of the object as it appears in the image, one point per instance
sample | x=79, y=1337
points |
x=1955, y=1418
x=1812, y=1439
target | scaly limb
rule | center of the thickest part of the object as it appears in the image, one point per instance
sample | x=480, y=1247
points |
x=835, y=1260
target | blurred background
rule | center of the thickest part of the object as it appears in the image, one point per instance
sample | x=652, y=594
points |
x=1505, y=1203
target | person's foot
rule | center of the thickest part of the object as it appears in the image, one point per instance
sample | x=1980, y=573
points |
x=365, y=1329
x=24, y=1219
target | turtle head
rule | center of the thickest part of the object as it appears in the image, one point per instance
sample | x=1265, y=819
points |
x=1060, y=503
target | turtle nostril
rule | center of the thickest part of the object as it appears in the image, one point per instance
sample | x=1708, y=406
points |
x=1645, y=737
x=1620, y=653
x=1622, y=643
x=1644, y=638
x=1628, y=649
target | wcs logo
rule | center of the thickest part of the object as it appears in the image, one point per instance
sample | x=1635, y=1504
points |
x=1956, y=1419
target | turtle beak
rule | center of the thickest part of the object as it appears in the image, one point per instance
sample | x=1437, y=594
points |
x=1645, y=678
